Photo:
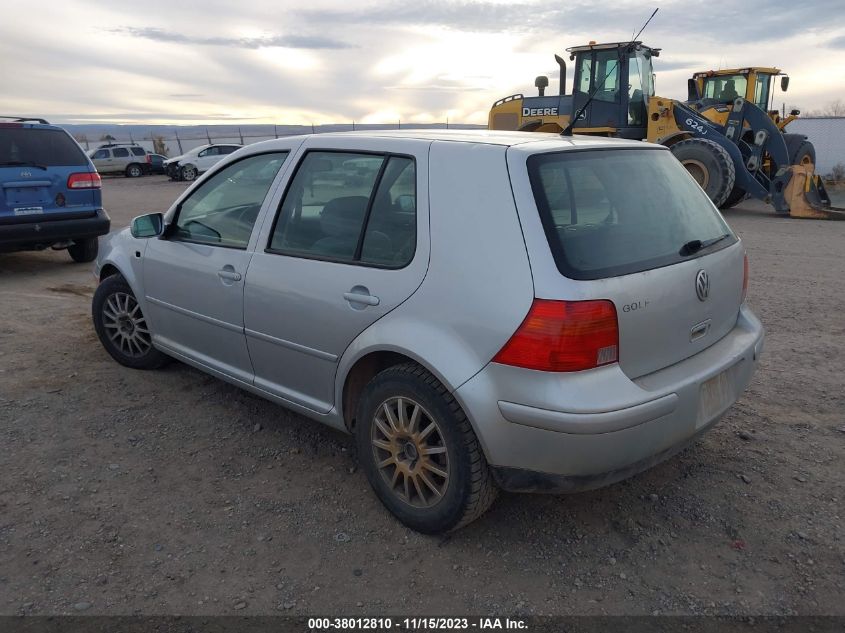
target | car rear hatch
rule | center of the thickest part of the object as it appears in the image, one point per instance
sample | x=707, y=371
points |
x=629, y=225
x=36, y=164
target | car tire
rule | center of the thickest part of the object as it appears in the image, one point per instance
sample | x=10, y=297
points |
x=121, y=326
x=709, y=164
x=83, y=251
x=189, y=173
x=134, y=171
x=431, y=492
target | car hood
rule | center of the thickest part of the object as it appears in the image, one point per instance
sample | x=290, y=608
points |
x=175, y=159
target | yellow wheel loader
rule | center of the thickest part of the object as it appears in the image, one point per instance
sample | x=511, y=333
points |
x=723, y=134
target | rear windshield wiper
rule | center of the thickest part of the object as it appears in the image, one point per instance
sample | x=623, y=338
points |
x=21, y=163
x=693, y=246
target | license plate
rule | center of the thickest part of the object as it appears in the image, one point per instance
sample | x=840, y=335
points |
x=715, y=396
x=29, y=210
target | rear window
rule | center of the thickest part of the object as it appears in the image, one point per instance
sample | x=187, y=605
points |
x=34, y=146
x=614, y=212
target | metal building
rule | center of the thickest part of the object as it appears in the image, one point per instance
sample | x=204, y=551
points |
x=828, y=135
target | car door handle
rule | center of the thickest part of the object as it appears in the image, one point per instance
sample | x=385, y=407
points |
x=229, y=274
x=356, y=297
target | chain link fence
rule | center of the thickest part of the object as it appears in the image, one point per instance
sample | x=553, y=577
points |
x=173, y=141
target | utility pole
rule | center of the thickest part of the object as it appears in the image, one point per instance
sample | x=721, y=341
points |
x=241, y=135
x=178, y=142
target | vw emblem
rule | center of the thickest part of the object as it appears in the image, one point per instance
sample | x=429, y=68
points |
x=702, y=285
x=26, y=174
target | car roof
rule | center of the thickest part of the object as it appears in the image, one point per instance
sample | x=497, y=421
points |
x=534, y=141
x=28, y=123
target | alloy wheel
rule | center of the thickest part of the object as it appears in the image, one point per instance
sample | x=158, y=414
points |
x=125, y=325
x=410, y=452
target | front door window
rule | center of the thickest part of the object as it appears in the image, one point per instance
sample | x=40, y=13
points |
x=222, y=211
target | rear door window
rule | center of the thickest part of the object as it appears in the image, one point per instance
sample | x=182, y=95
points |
x=350, y=207
x=120, y=152
x=34, y=146
x=138, y=151
x=614, y=212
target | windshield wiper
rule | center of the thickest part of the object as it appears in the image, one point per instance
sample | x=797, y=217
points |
x=22, y=163
x=693, y=246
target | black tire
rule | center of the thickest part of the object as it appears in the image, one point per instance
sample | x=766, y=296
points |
x=803, y=154
x=736, y=194
x=469, y=490
x=710, y=164
x=134, y=171
x=188, y=172
x=83, y=251
x=112, y=291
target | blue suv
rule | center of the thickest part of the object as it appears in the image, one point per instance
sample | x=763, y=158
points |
x=49, y=191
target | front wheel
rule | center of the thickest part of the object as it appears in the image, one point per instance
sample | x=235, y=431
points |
x=420, y=453
x=121, y=326
x=709, y=164
x=189, y=172
x=83, y=251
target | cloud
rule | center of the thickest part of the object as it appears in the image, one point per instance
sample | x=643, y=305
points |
x=663, y=66
x=285, y=41
x=736, y=23
x=836, y=42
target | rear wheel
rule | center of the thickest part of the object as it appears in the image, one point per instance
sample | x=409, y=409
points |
x=419, y=451
x=736, y=194
x=83, y=251
x=134, y=171
x=189, y=172
x=805, y=154
x=121, y=326
x=709, y=164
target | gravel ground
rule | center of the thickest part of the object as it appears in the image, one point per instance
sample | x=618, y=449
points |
x=170, y=492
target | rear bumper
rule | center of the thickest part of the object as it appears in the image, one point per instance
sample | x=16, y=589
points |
x=568, y=432
x=44, y=232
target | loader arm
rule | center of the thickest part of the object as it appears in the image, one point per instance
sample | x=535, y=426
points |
x=747, y=157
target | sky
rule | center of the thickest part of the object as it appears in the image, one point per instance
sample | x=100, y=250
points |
x=335, y=61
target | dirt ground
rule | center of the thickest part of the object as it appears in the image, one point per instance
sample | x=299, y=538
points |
x=170, y=492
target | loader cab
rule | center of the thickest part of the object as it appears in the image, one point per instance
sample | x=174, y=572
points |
x=754, y=84
x=621, y=75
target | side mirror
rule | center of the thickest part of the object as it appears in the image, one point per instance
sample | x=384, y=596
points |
x=784, y=83
x=150, y=225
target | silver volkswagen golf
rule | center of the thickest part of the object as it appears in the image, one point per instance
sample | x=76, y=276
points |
x=481, y=310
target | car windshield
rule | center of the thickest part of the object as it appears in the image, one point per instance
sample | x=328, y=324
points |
x=39, y=147
x=614, y=212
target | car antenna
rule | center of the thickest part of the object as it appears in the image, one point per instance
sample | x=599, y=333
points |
x=567, y=131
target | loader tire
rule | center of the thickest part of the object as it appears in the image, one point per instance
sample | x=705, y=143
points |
x=736, y=194
x=710, y=165
x=802, y=153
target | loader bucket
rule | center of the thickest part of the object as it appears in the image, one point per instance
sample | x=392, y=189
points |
x=807, y=197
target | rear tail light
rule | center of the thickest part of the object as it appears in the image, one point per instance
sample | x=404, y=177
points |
x=84, y=180
x=744, y=276
x=564, y=336
x=149, y=159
